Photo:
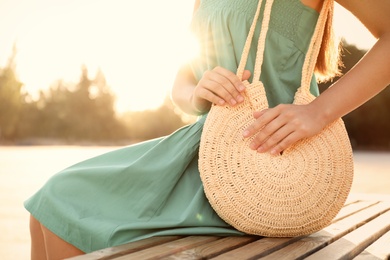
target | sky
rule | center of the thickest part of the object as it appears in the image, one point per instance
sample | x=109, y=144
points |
x=138, y=45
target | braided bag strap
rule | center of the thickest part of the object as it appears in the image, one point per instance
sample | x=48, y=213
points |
x=310, y=58
x=296, y=193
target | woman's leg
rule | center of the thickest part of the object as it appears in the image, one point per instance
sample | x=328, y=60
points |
x=38, y=250
x=56, y=248
x=46, y=245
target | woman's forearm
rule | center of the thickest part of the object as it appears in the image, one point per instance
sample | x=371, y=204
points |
x=183, y=89
x=365, y=80
x=277, y=128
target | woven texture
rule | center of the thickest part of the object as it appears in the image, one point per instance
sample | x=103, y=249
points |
x=296, y=193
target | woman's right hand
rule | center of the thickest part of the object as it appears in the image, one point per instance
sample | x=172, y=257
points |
x=219, y=86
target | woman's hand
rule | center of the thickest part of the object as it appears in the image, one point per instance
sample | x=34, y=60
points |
x=277, y=128
x=219, y=86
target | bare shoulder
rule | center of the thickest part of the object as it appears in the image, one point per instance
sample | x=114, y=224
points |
x=373, y=14
x=315, y=4
x=196, y=5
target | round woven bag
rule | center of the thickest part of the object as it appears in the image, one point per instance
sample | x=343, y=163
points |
x=296, y=193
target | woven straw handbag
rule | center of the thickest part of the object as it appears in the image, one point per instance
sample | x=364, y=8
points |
x=296, y=193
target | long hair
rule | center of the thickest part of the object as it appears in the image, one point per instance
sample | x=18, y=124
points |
x=329, y=58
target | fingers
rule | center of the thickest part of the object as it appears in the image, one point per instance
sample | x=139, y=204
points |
x=258, y=114
x=272, y=140
x=276, y=129
x=284, y=144
x=269, y=129
x=220, y=86
x=225, y=86
x=246, y=75
x=263, y=119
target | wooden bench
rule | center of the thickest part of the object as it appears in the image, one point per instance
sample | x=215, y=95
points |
x=360, y=231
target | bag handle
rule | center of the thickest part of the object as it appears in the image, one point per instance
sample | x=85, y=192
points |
x=315, y=46
x=261, y=41
x=311, y=55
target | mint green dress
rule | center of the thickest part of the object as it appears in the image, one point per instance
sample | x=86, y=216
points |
x=153, y=188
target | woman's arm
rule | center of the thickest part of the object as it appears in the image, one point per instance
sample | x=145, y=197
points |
x=219, y=86
x=182, y=91
x=286, y=124
x=372, y=73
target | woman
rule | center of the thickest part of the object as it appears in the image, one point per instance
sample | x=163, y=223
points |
x=153, y=188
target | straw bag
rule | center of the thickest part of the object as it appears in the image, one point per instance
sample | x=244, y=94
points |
x=296, y=193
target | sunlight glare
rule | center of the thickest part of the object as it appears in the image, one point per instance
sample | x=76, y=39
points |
x=138, y=47
x=349, y=28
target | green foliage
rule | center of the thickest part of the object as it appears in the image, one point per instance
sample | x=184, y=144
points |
x=84, y=112
x=11, y=99
x=148, y=124
x=74, y=113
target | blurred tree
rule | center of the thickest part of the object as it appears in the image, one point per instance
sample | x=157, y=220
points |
x=54, y=121
x=11, y=99
x=82, y=111
x=148, y=124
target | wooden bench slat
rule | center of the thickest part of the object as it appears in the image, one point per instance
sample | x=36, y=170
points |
x=369, y=196
x=214, y=248
x=263, y=246
x=351, y=200
x=308, y=245
x=352, y=208
x=266, y=246
x=110, y=253
x=355, y=242
x=164, y=250
x=380, y=249
x=359, y=218
x=361, y=228
x=367, y=257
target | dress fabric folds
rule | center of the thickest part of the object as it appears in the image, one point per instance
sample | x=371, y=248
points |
x=153, y=188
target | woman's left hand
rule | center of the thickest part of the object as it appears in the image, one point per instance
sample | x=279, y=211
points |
x=277, y=128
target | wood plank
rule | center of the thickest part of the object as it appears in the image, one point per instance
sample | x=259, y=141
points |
x=307, y=245
x=261, y=247
x=352, y=208
x=214, y=248
x=350, y=200
x=368, y=257
x=369, y=196
x=164, y=250
x=111, y=252
x=355, y=242
x=380, y=249
x=357, y=208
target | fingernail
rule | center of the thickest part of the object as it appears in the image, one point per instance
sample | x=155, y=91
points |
x=221, y=102
x=241, y=87
x=274, y=152
x=240, y=98
x=233, y=102
x=260, y=149
x=245, y=133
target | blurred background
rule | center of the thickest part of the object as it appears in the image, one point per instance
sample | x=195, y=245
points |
x=80, y=78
